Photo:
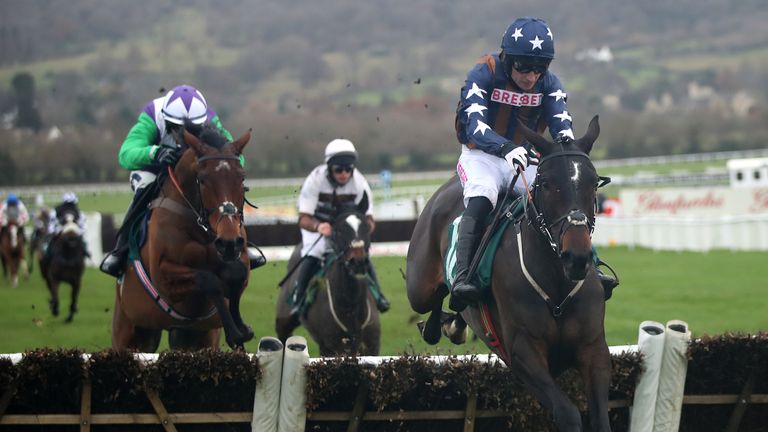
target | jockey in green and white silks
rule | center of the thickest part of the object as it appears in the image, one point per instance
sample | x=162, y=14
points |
x=152, y=145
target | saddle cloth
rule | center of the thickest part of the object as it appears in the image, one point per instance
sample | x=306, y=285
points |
x=482, y=277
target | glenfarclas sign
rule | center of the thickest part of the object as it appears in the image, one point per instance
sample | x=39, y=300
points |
x=710, y=201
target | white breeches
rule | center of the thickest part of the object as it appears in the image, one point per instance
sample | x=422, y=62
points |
x=308, y=239
x=482, y=174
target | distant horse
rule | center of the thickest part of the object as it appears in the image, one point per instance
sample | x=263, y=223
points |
x=546, y=308
x=343, y=319
x=12, y=245
x=66, y=263
x=193, y=265
x=38, y=239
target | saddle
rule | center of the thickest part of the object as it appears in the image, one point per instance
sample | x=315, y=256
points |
x=510, y=211
x=318, y=282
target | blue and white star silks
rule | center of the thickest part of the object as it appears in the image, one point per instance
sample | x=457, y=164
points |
x=475, y=108
x=549, y=33
x=517, y=34
x=567, y=132
x=559, y=94
x=536, y=42
x=475, y=91
x=563, y=116
x=481, y=127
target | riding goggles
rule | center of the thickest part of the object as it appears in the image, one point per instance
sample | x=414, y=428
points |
x=525, y=67
x=338, y=169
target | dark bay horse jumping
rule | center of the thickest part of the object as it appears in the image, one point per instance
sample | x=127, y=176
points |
x=545, y=309
x=193, y=264
x=344, y=319
x=12, y=246
x=66, y=263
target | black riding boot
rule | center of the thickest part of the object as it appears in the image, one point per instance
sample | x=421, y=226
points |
x=607, y=281
x=382, y=304
x=306, y=270
x=255, y=256
x=464, y=292
x=114, y=263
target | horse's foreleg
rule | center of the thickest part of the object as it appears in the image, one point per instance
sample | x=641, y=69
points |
x=531, y=366
x=53, y=287
x=213, y=288
x=235, y=279
x=73, y=301
x=594, y=362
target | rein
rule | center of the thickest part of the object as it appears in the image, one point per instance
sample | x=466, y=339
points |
x=537, y=219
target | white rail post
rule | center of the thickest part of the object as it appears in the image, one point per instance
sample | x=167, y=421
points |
x=266, y=409
x=293, y=393
x=650, y=343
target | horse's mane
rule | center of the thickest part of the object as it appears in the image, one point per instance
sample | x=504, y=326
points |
x=208, y=134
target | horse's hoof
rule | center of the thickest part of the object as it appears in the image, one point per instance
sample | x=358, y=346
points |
x=429, y=335
x=453, y=333
x=247, y=332
x=69, y=319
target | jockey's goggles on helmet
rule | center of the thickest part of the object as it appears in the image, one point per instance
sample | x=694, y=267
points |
x=527, y=65
x=338, y=169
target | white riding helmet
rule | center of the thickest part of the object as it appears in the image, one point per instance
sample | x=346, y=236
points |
x=185, y=102
x=69, y=197
x=340, y=151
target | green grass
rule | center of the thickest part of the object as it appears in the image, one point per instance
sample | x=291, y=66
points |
x=715, y=293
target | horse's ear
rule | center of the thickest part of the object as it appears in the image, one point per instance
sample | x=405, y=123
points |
x=242, y=141
x=543, y=145
x=364, y=204
x=193, y=142
x=593, y=130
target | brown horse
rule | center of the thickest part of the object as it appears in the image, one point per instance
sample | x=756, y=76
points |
x=12, y=246
x=66, y=263
x=343, y=319
x=193, y=265
x=545, y=309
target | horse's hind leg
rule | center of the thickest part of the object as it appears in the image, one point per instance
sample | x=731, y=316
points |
x=190, y=340
x=284, y=327
x=431, y=328
x=73, y=301
x=125, y=335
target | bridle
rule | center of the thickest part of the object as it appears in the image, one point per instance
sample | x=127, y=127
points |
x=340, y=252
x=225, y=209
x=575, y=217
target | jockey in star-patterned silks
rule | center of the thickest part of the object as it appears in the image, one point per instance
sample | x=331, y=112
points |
x=502, y=89
x=154, y=143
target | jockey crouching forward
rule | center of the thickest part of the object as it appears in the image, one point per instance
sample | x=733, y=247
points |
x=502, y=89
x=327, y=186
x=154, y=143
x=57, y=219
x=13, y=210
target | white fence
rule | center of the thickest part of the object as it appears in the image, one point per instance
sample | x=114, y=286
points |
x=700, y=234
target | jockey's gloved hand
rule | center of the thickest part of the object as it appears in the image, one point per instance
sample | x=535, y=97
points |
x=517, y=156
x=533, y=155
x=167, y=155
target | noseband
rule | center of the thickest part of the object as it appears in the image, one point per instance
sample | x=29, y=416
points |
x=574, y=218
